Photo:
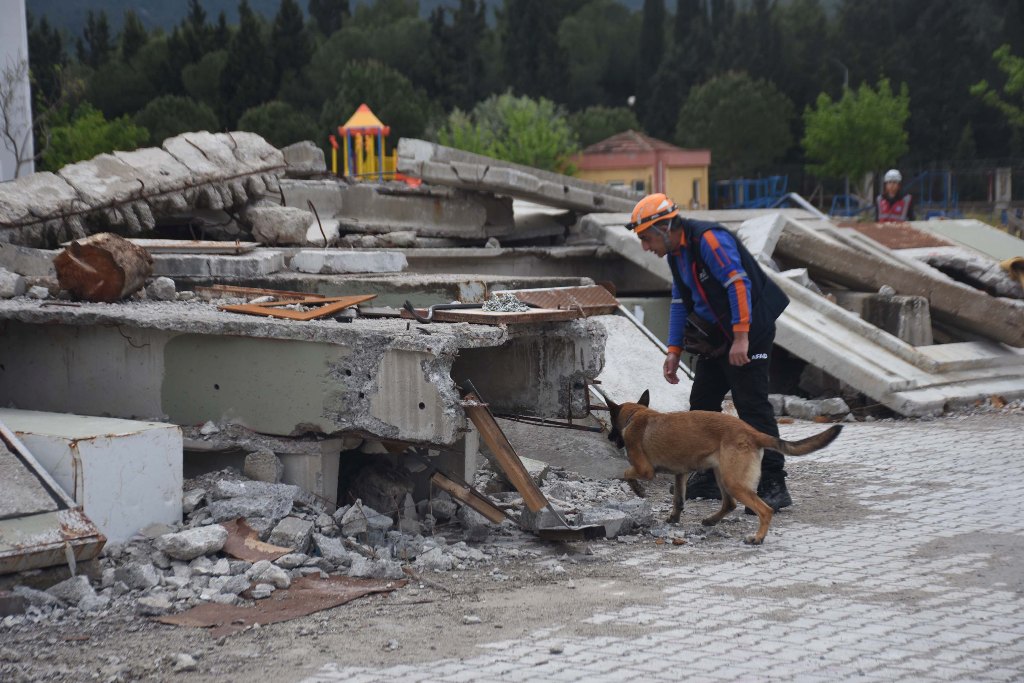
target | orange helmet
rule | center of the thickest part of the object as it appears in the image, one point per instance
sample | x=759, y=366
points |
x=651, y=209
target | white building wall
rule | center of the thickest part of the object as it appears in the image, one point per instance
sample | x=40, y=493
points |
x=14, y=50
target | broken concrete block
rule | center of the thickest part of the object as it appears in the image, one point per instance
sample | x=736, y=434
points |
x=279, y=225
x=434, y=560
x=38, y=292
x=234, y=585
x=27, y=261
x=93, y=603
x=802, y=408
x=191, y=499
x=192, y=543
x=138, y=575
x=475, y=525
x=263, y=465
x=334, y=261
x=161, y=289
x=761, y=234
x=304, y=160
x=291, y=560
x=73, y=590
x=537, y=469
x=36, y=598
x=638, y=509
x=153, y=606
x=333, y=550
x=833, y=406
x=441, y=506
x=323, y=233
x=778, y=403
x=253, y=264
x=226, y=488
x=365, y=568
x=272, y=508
x=615, y=522
x=262, y=591
x=11, y=284
x=266, y=571
x=292, y=532
x=354, y=521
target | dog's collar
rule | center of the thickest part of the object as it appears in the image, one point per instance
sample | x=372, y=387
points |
x=628, y=420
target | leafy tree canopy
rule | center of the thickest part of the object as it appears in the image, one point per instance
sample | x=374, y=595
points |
x=1013, y=67
x=170, y=115
x=745, y=123
x=87, y=134
x=862, y=132
x=280, y=124
x=594, y=124
x=516, y=129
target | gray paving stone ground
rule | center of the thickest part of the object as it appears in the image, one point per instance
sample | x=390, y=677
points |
x=903, y=560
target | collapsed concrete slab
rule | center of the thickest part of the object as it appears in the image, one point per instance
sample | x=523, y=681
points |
x=831, y=257
x=442, y=165
x=191, y=363
x=128, y=191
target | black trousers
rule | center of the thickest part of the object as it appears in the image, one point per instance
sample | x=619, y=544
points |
x=713, y=378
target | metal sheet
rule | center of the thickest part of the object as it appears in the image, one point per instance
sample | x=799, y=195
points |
x=482, y=317
x=322, y=308
x=591, y=299
x=305, y=596
x=244, y=543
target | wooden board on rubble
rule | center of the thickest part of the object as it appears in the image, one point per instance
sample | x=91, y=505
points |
x=194, y=246
x=482, y=317
x=322, y=308
x=591, y=299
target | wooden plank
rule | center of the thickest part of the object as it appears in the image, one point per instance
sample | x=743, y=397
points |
x=504, y=453
x=590, y=299
x=194, y=246
x=482, y=317
x=470, y=497
x=330, y=306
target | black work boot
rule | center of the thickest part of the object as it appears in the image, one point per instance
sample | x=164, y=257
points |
x=703, y=485
x=772, y=490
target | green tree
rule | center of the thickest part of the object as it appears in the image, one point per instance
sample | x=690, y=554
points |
x=202, y=79
x=328, y=15
x=684, y=65
x=516, y=129
x=1012, y=67
x=46, y=59
x=651, y=52
x=95, y=46
x=595, y=124
x=281, y=124
x=597, y=75
x=117, y=89
x=391, y=96
x=87, y=134
x=862, y=132
x=745, y=123
x=133, y=35
x=290, y=42
x=247, y=78
x=170, y=115
x=533, y=61
x=456, y=51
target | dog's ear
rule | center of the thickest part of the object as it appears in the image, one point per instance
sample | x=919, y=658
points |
x=645, y=400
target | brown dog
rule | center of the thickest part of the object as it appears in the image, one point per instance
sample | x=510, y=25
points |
x=685, y=442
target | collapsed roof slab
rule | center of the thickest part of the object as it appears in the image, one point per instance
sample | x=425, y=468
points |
x=127, y=191
x=429, y=211
x=832, y=258
x=442, y=165
x=190, y=363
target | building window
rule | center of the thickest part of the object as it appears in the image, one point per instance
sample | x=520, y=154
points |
x=639, y=186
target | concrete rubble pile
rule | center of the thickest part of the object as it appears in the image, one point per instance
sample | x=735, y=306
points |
x=128, y=192
x=170, y=568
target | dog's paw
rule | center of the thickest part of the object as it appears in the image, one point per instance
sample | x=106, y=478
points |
x=637, y=488
x=672, y=519
x=709, y=521
x=753, y=540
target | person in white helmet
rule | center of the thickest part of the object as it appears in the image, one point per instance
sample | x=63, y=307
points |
x=893, y=206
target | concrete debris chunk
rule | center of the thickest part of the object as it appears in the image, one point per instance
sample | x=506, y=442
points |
x=192, y=543
x=615, y=522
x=272, y=508
x=292, y=532
x=304, y=160
x=266, y=571
x=182, y=662
x=292, y=560
x=72, y=591
x=365, y=568
x=435, y=560
x=153, y=606
x=333, y=550
x=330, y=262
x=191, y=499
x=38, y=292
x=11, y=284
x=226, y=488
x=475, y=525
x=279, y=225
x=138, y=575
x=639, y=511
x=264, y=465
x=36, y=598
x=161, y=289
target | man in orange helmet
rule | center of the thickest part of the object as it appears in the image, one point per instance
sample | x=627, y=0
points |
x=723, y=311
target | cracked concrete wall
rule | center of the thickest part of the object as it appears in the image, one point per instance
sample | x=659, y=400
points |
x=126, y=192
x=542, y=372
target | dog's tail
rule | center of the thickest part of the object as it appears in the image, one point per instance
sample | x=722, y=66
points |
x=808, y=445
